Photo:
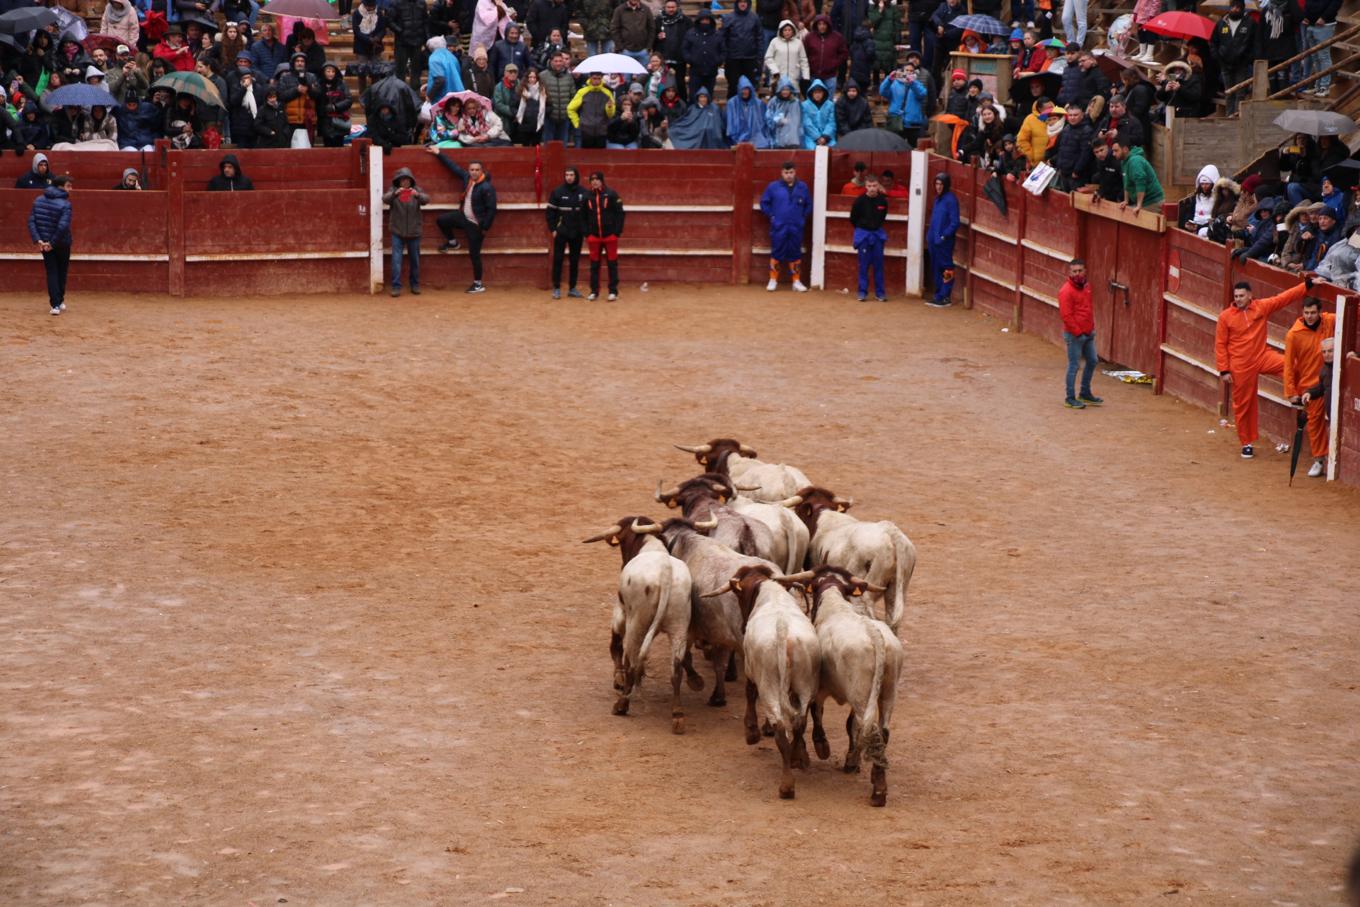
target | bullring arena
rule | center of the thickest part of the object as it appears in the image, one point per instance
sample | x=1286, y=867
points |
x=296, y=611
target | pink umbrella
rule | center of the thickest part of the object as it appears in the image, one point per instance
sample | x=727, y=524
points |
x=465, y=96
x=302, y=9
x=1181, y=25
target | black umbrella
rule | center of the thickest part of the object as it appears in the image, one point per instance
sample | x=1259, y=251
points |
x=996, y=194
x=1345, y=174
x=396, y=94
x=872, y=140
x=27, y=19
x=1298, y=444
x=1023, y=96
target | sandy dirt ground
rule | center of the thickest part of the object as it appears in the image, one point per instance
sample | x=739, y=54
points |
x=294, y=609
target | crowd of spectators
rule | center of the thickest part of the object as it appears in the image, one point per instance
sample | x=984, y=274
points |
x=793, y=73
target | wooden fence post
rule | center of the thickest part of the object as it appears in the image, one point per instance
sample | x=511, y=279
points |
x=743, y=196
x=821, y=157
x=174, y=220
x=375, y=218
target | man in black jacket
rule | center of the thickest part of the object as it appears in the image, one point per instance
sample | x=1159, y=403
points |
x=1109, y=173
x=410, y=24
x=566, y=222
x=1235, y=45
x=703, y=53
x=671, y=27
x=602, y=213
x=475, y=213
x=544, y=16
x=741, y=33
x=1072, y=151
x=1118, y=124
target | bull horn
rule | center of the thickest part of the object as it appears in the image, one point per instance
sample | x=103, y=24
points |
x=700, y=449
x=613, y=530
x=791, y=502
x=718, y=486
x=746, y=487
x=706, y=524
x=716, y=593
x=746, y=451
x=648, y=529
x=843, y=502
x=877, y=590
x=794, y=578
x=662, y=495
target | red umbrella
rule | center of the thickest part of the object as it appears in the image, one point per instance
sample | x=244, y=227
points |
x=1181, y=25
x=302, y=9
x=108, y=42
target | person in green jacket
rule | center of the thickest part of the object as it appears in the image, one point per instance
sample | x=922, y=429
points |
x=1141, y=186
x=885, y=23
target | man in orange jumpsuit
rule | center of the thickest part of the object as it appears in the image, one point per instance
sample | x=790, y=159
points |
x=1242, y=355
x=1302, y=365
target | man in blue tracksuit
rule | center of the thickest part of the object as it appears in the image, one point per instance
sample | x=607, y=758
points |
x=944, y=223
x=867, y=216
x=49, y=226
x=788, y=204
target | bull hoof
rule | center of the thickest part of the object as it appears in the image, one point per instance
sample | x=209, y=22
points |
x=786, y=793
x=851, y=768
x=767, y=729
x=879, y=798
x=694, y=681
x=621, y=706
x=619, y=680
x=678, y=724
x=823, y=748
x=752, y=736
x=717, y=701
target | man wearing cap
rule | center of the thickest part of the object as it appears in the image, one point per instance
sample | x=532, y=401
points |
x=1241, y=354
x=1302, y=366
x=125, y=75
x=1326, y=232
x=176, y=54
x=957, y=102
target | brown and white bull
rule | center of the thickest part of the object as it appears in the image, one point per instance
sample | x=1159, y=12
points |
x=654, y=598
x=766, y=482
x=861, y=664
x=707, y=497
x=782, y=661
x=879, y=552
x=790, y=535
x=716, y=624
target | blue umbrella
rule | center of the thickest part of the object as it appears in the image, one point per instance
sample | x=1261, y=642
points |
x=79, y=95
x=983, y=25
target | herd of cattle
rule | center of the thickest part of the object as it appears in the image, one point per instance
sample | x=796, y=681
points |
x=768, y=573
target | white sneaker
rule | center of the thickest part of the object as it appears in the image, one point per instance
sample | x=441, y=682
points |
x=798, y=287
x=56, y=311
x=62, y=306
x=772, y=285
x=1315, y=471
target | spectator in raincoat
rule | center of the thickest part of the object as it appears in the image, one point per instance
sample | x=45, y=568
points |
x=784, y=117
x=701, y=126
x=445, y=70
x=746, y=117
x=819, y=117
x=906, y=97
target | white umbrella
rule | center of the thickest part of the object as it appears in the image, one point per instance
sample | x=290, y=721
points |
x=611, y=63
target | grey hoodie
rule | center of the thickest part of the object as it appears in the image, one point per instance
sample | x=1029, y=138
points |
x=404, y=217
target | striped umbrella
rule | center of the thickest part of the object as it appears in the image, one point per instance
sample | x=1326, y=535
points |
x=191, y=83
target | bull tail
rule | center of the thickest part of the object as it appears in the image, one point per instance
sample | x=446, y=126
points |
x=871, y=744
x=904, y=557
x=662, y=601
x=781, y=636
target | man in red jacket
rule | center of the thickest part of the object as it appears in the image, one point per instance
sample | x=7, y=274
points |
x=1079, y=332
x=1242, y=355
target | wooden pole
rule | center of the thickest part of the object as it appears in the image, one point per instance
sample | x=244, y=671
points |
x=743, y=196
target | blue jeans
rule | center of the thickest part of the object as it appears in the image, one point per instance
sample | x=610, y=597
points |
x=1296, y=192
x=1080, y=346
x=1318, y=60
x=602, y=47
x=614, y=145
x=412, y=249
x=557, y=131
x=642, y=56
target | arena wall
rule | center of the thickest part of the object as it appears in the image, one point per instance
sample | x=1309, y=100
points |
x=315, y=225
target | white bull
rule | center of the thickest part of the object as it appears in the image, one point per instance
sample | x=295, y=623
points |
x=879, y=552
x=783, y=665
x=654, y=598
x=861, y=664
x=766, y=482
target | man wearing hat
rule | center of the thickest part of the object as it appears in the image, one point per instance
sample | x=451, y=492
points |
x=1326, y=233
x=125, y=75
x=176, y=54
x=1241, y=354
x=1262, y=234
x=1234, y=44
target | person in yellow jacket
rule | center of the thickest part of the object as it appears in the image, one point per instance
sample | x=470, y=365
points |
x=591, y=110
x=1033, y=137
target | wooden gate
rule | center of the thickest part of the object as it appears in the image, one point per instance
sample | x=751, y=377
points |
x=1124, y=265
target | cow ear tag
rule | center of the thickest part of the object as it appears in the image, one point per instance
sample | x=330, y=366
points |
x=613, y=541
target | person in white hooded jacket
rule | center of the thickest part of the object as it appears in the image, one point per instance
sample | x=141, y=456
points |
x=1199, y=208
x=786, y=57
